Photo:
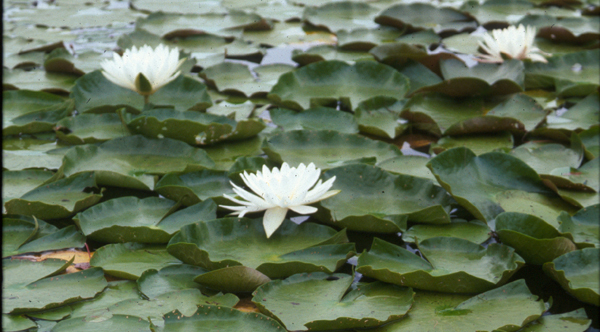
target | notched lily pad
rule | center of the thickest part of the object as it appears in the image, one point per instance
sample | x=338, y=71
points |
x=578, y=30
x=133, y=161
x=195, y=187
x=328, y=53
x=194, y=128
x=59, y=199
x=535, y=240
x=342, y=15
x=130, y=260
x=479, y=144
x=153, y=283
x=126, y=219
x=318, y=118
x=583, y=227
x=578, y=273
x=475, y=231
x=455, y=265
x=326, y=149
x=221, y=246
x=211, y=317
x=90, y=128
x=322, y=302
x=326, y=82
x=374, y=200
x=420, y=16
x=28, y=112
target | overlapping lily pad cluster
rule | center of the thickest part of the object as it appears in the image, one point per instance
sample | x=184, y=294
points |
x=464, y=188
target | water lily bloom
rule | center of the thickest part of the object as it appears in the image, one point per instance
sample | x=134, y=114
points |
x=278, y=191
x=512, y=43
x=143, y=70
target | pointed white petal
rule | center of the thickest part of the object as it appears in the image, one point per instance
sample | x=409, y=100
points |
x=273, y=219
x=303, y=209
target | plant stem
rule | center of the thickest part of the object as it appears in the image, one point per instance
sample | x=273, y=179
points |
x=146, y=99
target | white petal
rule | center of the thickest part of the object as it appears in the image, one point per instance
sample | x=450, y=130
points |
x=303, y=209
x=273, y=219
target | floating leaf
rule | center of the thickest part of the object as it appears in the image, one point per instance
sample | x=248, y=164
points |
x=113, y=322
x=578, y=272
x=573, y=74
x=130, y=260
x=90, y=128
x=409, y=165
x=328, y=53
x=225, y=154
x=132, y=161
x=362, y=39
x=30, y=286
x=420, y=16
x=582, y=115
x=378, y=116
x=474, y=231
x=544, y=158
x=94, y=93
x=579, y=30
x=325, y=82
x=59, y=199
x=153, y=282
x=582, y=227
x=236, y=78
x=38, y=80
x=208, y=318
x=28, y=112
x=591, y=141
x=373, y=200
x=24, y=152
x=462, y=174
x=17, y=183
x=43, y=239
x=220, y=246
x=318, y=118
x=195, y=187
x=535, y=240
x=322, y=302
x=194, y=128
x=326, y=149
x=126, y=219
x=572, y=321
x=455, y=265
x=579, y=187
x=335, y=16
x=13, y=323
x=479, y=144
x=399, y=53
x=504, y=308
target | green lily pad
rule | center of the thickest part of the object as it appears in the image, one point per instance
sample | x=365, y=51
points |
x=535, y=240
x=482, y=79
x=41, y=237
x=495, y=11
x=28, y=112
x=209, y=318
x=236, y=111
x=90, y=128
x=455, y=265
x=38, y=80
x=220, y=246
x=363, y=39
x=582, y=115
x=203, y=211
x=579, y=30
x=479, y=144
x=328, y=53
x=94, y=93
x=372, y=200
x=195, y=187
x=573, y=74
x=126, y=219
x=544, y=158
x=317, y=118
x=25, y=152
x=54, y=314
x=579, y=187
x=545, y=207
x=174, y=277
x=133, y=161
x=236, y=78
x=17, y=183
x=286, y=33
x=247, y=164
x=591, y=141
x=114, y=322
x=194, y=128
x=325, y=82
x=578, y=272
x=474, y=231
x=409, y=165
x=505, y=308
x=582, y=227
x=477, y=181
x=226, y=153
x=335, y=16
x=326, y=149
x=31, y=286
x=56, y=200
x=176, y=25
x=573, y=321
x=377, y=117
x=13, y=323
x=130, y=260
x=418, y=74
x=322, y=302
x=276, y=11
x=420, y=16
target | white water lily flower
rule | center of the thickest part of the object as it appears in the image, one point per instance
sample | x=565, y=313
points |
x=143, y=70
x=513, y=43
x=278, y=191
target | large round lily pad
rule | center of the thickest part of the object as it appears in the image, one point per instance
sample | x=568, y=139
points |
x=372, y=200
x=126, y=219
x=462, y=174
x=455, y=265
x=211, y=318
x=323, y=302
x=533, y=239
x=578, y=273
x=133, y=161
x=474, y=231
x=130, y=260
x=90, y=128
x=583, y=227
x=318, y=118
x=26, y=111
x=194, y=187
x=420, y=16
x=326, y=149
x=324, y=82
x=221, y=244
x=505, y=308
